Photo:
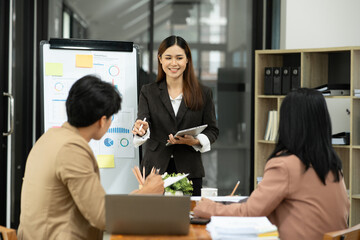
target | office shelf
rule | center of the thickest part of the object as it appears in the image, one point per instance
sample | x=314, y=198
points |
x=266, y=141
x=356, y=196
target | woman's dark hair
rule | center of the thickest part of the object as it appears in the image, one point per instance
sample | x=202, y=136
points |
x=89, y=99
x=305, y=131
x=191, y=87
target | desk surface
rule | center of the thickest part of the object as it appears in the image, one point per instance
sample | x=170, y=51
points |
x=196, y=232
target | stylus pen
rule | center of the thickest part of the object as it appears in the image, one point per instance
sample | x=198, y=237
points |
x=141, y=126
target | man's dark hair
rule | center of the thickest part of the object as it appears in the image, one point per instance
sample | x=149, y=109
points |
x=305, y=131
x=89, y=99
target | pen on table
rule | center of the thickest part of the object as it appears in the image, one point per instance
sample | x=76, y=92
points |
x=236, y=186
x=141, y=126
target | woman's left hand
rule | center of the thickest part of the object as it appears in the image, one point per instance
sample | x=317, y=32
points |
x=186, y=139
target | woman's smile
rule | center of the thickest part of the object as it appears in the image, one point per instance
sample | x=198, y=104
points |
x=174, y=62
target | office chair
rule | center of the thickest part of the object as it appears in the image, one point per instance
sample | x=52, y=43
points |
x=352, y=233
x=7, y=233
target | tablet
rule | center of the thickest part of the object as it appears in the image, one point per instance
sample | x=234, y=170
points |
x=190, y=131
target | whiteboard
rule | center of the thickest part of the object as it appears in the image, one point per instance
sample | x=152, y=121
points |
x=61, y=67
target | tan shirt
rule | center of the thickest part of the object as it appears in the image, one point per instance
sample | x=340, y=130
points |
x=62, y=197
x=294, y=200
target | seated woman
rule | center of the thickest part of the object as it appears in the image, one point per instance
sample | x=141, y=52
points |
x=303, y=191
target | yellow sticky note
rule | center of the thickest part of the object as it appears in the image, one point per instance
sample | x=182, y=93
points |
x=106, y=161
x=84, y=61
x=53, y=69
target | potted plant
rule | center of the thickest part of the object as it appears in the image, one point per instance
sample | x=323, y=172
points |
x=179, y=188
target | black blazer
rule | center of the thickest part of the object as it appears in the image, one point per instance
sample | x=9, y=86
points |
x=155, y=105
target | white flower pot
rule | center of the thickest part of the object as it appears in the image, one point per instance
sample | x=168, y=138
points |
x=177, y=193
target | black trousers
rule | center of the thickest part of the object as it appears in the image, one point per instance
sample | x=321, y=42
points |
x=197, y=182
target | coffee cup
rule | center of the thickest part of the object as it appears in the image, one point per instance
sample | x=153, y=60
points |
x=209, y=192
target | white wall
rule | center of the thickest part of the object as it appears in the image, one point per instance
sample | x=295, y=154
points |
x=319, y=23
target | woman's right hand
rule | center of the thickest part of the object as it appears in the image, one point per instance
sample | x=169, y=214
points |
x=205, y=208
x=137, y=125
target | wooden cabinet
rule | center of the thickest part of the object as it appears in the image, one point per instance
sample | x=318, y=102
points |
x=317, y=67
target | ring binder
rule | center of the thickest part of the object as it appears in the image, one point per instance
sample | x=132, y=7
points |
x=295, y=78
x=268, y=81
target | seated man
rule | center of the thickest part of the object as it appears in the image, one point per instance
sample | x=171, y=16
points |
x=62, y=197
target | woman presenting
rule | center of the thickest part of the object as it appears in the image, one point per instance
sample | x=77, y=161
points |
x=176, y=101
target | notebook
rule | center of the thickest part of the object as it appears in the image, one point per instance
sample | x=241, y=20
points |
x=147, y=214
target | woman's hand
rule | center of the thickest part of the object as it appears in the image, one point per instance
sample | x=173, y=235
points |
x=138, y=130
x=205, y=208
x=186, y=139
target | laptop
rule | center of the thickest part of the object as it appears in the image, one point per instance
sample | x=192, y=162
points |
x=147, y=214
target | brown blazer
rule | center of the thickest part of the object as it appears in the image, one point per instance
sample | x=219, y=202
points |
x=297, y=202
x=155, y=105
x=62, y=197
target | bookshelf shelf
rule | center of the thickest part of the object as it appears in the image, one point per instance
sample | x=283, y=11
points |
x=356, y=196
x=341, y=146
x=267, y=142
x=271, y=96
x=338, y=97
x=317, y=67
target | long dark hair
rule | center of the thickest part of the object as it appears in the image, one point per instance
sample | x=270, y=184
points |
x=305, y=131
x=191, y=87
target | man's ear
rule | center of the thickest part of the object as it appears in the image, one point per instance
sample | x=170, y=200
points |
x=102, y=121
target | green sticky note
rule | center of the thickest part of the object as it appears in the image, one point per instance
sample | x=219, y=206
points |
x=53, y=69
x=106, y=161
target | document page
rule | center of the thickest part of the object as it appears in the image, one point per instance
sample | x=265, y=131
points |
x=171, y=180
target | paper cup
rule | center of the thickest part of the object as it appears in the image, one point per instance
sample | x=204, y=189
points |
x=209, y=192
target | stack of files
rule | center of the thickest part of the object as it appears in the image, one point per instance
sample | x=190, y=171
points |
x=231, y=228
x=342, y=138
x=223, y=199
x=272, y=126
x=357, y=92
x=334, y=89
